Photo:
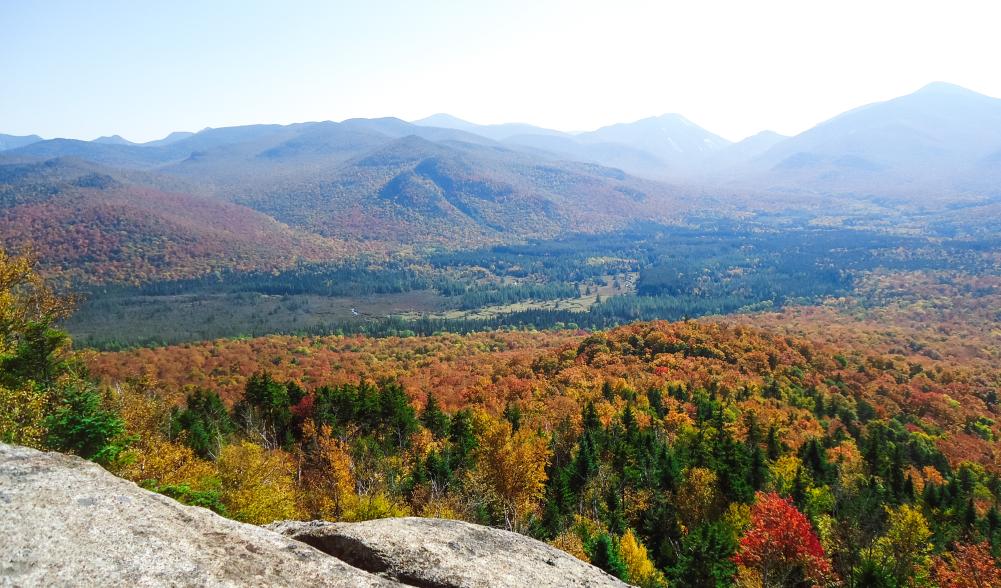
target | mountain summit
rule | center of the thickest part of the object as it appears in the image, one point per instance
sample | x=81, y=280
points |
x=924, y=140
x=670, y=137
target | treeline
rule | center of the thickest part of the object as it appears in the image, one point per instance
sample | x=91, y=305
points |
x=713, y=268
x=503, y=294
x=350, y=279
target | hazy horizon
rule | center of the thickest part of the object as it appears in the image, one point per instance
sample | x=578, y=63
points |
x=419, y=119
x=84, y=71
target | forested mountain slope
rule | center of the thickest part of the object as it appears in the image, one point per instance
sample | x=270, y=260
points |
x=333, y=188
x=696, y=452
x=88, y=225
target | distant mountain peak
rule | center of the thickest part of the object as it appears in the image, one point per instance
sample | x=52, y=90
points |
x=15, y=141
x=945, y=87
x=671, y=137
x=767, y=133
x=674, y=117
x=440, y=119
x=171, y=138
x=113, y=140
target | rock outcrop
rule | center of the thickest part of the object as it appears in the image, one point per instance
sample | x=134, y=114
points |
x=68, y=522
x=440, y=553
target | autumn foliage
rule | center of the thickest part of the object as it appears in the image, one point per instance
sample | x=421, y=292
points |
x=968, y=566
x=692, y=453
x=780, y=544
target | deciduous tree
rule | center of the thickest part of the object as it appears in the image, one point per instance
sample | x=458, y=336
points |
x=968, y=566
x=641, y=570
x=781, y=545
x=513, y=468
x=257, y=484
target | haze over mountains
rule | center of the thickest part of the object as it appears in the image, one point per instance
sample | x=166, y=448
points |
x=940, y=137
x=375, y=184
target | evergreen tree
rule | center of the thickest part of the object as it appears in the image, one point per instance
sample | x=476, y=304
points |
x=590, y=419
x=462, y=437
x=732, y=469
x=81, y=425
x=656, y=400
x=512, y=413
x=615, y=516
x=668, y=469
x=434, y=418
x=661, y=531
x=607, y=391
x=773, y=444
x=585, y=463
x=559, y=501
x=705, y=557
x=397, y=413
x=757, y=469
x=267, y=406
x=629, y=423
x=814, y=457
x=205, y=422
x=605, y=555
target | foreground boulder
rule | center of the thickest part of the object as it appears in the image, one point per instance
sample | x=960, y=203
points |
x=68, y=522
x=440, y=553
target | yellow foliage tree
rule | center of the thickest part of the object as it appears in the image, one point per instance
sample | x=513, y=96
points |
x=144, y=407
x=511, y=469
x=327, y=473
x=257, y=485
x=152, y=458
x=27, y=309
x=850, y=464
x=165, y=463
x=378, y=505
x=642, y=572
x=906, y=546
x=25, y=299
x=22, y=414
x=783, y=473
x=697, y=497
x=570, y=542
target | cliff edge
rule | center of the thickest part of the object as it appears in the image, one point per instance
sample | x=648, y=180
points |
x=65, y=521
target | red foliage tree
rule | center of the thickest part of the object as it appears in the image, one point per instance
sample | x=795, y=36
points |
x=780, y=543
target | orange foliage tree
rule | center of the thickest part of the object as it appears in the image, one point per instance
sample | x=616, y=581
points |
x=968, y=566
x=327, y=472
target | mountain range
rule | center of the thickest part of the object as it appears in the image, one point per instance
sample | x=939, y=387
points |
x=265, y=197
x=269, y=195
x=942, y=137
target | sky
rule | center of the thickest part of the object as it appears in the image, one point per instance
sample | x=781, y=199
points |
x=81, y=70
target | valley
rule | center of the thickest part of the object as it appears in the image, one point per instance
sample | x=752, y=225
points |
x=644, y=344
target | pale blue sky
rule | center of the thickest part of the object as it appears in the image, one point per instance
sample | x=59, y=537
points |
x=82, y=69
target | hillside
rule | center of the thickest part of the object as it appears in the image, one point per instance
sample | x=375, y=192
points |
x=656, y=451
x=922, y=162
x=87, y=225
x=689, y=419
x=415, y=191
x=244, y=198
